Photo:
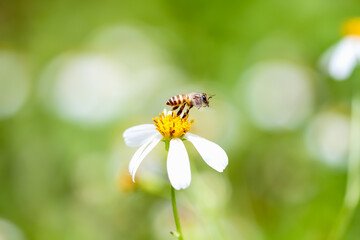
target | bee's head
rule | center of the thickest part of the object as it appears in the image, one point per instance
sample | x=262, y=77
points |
x=205, y=99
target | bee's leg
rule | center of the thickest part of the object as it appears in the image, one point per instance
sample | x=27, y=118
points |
x=187, y=112
x=174, y=108
x=181, y=109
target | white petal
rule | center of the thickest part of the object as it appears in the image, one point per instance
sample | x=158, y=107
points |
x=356, y=42
x=141, y=153
x=138, y=135
x=178, y=165
x=212, y=153
x=325, y=59
x=343, y=59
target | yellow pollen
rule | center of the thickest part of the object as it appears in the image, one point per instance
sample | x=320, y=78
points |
x=172, y=126
x=351, y=27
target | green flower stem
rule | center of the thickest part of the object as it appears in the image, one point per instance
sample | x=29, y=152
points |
x=178, y=234
x=353, y=178
x=176, y=215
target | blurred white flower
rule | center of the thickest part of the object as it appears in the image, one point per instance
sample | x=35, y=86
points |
x=341, y=59
x=173, y=129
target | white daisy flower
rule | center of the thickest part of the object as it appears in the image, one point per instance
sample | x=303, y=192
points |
x=173, y=130
x=341, y=59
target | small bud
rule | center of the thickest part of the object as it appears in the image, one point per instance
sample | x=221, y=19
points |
x=175, y=234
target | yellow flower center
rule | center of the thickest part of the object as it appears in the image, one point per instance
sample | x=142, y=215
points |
x=351, y=27
x=172, y=126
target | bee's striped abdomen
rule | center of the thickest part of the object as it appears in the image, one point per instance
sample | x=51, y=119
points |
x=178, y=100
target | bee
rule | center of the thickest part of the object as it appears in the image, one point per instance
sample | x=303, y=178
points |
x=192, y=99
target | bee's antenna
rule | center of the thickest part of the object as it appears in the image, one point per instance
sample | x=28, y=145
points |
x=212, y=96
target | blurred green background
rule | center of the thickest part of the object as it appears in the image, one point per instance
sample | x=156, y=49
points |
x=75, y=74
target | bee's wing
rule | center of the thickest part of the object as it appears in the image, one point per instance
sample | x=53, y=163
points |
x=197, y=101
x=196, y=97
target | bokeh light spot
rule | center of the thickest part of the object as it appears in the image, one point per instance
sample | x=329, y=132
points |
x=327, y=137
x=90, y=88
x=8, y=231
x=14, y=83
x=279, y=95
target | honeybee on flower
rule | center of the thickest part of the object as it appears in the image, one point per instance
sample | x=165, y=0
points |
x=173, y=130
x=192, y=99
